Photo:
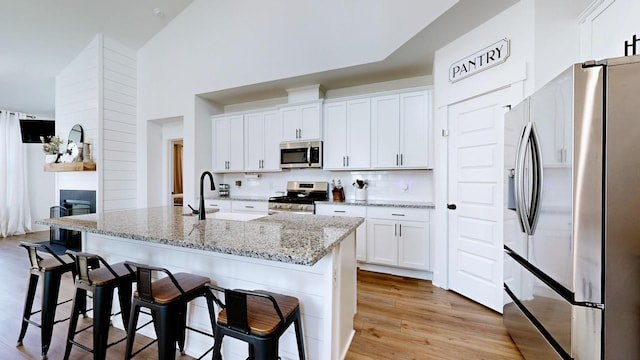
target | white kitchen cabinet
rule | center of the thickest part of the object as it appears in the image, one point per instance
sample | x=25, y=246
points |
x=301, y=122
x=349, y=211
x=262, y=134
x=252, y=207
x=228, y=144
x=347, y=139
x=401, y=130
x=398, y=237
x=221, y=205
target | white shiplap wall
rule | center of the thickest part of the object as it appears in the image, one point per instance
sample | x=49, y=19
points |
x=119, y=127
x=98, y=91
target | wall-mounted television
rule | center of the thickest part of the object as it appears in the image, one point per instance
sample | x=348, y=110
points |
x=32, y=129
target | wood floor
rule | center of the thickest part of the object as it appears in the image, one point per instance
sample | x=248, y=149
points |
x=398, y=318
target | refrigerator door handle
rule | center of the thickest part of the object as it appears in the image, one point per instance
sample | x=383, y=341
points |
x=537, y=177
x=519, y=177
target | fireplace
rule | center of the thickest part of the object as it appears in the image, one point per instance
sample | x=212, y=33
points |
x=72, y=202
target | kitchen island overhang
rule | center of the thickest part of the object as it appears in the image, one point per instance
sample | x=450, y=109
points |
x=311, y=257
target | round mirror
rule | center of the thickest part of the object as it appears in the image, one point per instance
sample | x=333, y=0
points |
x=76, y=135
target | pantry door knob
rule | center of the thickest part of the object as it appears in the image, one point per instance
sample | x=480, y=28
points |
x=451, y=206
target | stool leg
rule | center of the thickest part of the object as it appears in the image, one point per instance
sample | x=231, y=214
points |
x=131, y=329
x=168, y=321
x=73, y=321
x=182, y=328
x=299, y=338
x=265, y=349
x=102, y=302
x=124, y=297
x=28, y=305
x=217, y=344
x=49, y=303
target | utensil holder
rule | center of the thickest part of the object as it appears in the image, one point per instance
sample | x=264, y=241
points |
x=361, y=194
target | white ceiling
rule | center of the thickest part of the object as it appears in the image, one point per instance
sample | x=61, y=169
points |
x=38, y=38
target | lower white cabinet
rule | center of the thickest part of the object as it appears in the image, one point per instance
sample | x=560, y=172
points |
x=221, y=205
x=349, y=211
x=252, y=207
x=398, y=237
x=237, y=206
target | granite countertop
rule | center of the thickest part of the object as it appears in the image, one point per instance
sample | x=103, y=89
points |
x=383, y=203
x=290, y=238
x=239, y=198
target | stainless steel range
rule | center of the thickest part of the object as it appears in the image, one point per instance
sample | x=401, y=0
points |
x=300, y=197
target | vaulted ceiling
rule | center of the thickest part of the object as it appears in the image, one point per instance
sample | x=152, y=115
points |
x=39, y=38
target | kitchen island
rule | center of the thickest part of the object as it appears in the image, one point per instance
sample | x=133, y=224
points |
x=311, y=257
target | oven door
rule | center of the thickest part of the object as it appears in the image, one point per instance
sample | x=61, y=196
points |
x=301, y=154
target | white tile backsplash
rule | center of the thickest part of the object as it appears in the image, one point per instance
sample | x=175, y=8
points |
x=401, y=185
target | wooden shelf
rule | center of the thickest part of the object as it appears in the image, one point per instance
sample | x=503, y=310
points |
x=74, y=166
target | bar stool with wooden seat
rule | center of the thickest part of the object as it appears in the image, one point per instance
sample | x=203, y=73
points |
x=258, y=318
x=167, y=300
x=51, y=269
x=95, y=275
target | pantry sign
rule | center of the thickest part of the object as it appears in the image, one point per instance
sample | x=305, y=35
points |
x=492, y=55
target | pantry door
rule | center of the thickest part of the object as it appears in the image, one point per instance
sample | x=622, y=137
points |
x=475, y=196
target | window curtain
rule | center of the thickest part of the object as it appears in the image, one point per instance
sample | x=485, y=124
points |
x=15, y=213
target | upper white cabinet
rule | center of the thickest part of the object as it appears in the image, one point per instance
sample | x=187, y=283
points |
x=262, y=134
x=301, y=122
x=401, y=130
x=228, y=145
x=347, y=139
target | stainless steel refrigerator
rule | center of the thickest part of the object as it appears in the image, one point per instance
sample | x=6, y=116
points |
x=572, y=215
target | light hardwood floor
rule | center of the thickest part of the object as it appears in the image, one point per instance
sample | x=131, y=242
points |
x=398, y=318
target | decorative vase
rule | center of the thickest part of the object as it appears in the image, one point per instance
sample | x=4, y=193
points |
x=50, y=158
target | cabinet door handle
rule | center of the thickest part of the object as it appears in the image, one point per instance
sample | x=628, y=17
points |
x=347, y=160
x=343, y=161
x=400, y=232
x=248, y=207
x=397, y=163
x=395, y=229
x=401, y=162
x=339, y=211
x=397, y=214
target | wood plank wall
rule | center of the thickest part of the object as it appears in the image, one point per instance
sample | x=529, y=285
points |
x=119, y=127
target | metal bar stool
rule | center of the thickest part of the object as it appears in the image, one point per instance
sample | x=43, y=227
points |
x=95, y=275
x=258, y=318
x=51, y=269
x=167, y=300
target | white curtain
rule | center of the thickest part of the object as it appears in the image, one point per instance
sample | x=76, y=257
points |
x=15, y=214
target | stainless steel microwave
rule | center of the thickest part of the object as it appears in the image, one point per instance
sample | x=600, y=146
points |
x=301, y=154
